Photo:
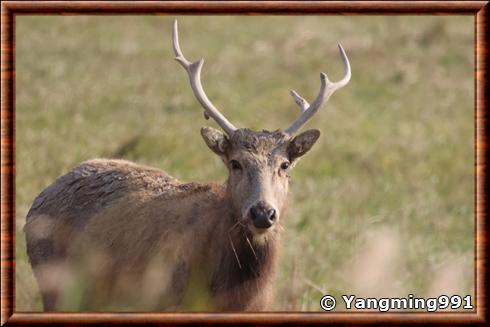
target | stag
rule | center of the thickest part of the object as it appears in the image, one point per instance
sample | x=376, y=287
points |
x=114, y=235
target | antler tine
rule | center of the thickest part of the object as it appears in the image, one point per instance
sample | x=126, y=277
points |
x=327, y=88
x=193, y=69
x=302, y=103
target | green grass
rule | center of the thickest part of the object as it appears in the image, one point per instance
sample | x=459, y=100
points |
x=382, y=205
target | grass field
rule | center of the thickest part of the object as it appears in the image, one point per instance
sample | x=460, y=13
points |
x=383, y=204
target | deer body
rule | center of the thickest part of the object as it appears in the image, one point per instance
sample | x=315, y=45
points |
x=113, y=235
x=138, y=233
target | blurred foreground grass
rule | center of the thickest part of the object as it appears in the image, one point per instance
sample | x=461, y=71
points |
x=382, y=205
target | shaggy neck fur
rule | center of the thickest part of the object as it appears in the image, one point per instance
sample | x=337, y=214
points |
x=243, y=265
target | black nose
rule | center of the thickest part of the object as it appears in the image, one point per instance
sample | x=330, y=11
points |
x=262, y=215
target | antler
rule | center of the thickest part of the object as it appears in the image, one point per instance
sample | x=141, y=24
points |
x=194, y=71
x=327, y=88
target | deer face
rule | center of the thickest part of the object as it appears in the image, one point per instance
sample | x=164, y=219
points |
x=259, y=164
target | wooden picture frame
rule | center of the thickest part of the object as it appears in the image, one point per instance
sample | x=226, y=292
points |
x=11, y=9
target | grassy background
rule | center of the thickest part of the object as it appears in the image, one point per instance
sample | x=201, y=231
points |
x=382, y=205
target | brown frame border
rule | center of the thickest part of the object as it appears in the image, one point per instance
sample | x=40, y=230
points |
x=10, y=9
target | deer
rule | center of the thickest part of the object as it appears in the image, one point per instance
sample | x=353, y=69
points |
x=115, y=235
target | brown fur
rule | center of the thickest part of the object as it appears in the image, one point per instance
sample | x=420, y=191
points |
x=113, y=235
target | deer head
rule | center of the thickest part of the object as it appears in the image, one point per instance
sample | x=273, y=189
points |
x=259, y=163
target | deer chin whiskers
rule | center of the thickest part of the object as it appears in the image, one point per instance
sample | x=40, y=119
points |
x=262, y=236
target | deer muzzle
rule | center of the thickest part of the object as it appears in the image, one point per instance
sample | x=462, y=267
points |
x=262, y=215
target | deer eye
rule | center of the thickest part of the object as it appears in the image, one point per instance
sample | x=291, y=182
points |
x=285, y=165
x=235, y=165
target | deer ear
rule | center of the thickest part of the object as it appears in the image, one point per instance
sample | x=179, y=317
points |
x=302, y=143
x=215, y=140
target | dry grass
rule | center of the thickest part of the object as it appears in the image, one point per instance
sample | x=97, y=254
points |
x=383, y=205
